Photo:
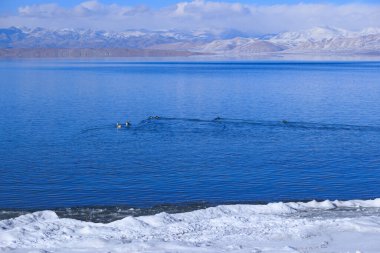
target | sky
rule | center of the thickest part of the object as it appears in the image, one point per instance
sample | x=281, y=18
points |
x=255, y=16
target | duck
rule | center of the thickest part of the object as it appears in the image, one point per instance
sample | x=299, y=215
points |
x=218, y=118
x=127, y=124
x=118, y=125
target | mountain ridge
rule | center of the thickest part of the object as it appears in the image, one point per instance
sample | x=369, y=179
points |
x=316, y=40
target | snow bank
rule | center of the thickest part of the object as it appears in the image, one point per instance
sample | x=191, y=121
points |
x=275, y=227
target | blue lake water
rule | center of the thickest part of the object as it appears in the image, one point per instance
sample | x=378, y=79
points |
x=59, y=146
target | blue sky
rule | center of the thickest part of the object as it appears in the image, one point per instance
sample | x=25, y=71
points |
x=12, y=5
x=256, y=16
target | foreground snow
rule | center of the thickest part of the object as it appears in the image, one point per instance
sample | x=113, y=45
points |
x=339, y=226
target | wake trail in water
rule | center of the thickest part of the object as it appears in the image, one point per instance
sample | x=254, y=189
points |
x=157, y=123
x=278, y=123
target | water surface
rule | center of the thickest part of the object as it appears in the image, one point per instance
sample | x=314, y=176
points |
x=286, y=131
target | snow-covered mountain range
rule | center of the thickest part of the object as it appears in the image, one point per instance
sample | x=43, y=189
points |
x=219, y=42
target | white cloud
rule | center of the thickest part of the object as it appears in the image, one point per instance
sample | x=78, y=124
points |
x=207, y=9
x=41, y=11
x=198, y=14
x=84, y=9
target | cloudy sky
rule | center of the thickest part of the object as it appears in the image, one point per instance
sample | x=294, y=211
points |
x=255, y=16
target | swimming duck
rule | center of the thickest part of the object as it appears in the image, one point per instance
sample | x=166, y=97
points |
x=118, y=125
x=218, y=118
x=127, y=124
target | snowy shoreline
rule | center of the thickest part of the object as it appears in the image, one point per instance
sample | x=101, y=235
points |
x=328, y=226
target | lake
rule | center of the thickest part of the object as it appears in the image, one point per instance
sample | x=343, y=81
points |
x=227, y=132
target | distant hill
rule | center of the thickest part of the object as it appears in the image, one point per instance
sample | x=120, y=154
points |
x=40, y=42
x=88, y=53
